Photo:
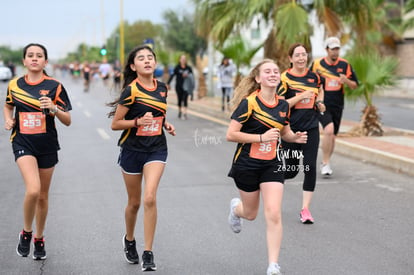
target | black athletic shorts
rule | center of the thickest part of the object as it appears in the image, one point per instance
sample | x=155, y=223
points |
x=132, y=162
x=333, y=115
x=250, y=180
x=44, y=161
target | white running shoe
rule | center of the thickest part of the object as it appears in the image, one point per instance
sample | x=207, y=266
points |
x=326, y=169
x=235, y=222
x=273, y=269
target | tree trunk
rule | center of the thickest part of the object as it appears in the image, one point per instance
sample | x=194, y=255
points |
x=276, y=51
x=371, y=122
x=202, y=85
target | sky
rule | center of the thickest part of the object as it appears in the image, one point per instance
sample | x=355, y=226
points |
x=61, y=25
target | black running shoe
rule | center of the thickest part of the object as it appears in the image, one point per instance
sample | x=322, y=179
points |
x=130, y=250
x=148, y=261
x=39, y=252
x=23, y=247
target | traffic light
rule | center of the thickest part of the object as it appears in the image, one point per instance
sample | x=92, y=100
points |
x=103, y=50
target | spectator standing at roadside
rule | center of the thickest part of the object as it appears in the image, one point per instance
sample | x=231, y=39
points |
x=33, y=103
x=105, y=71
x=302, y=89
x=181, y=71
x=335, y=72
x=226, y=72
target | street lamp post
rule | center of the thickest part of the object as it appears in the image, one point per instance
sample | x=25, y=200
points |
x=121, y=35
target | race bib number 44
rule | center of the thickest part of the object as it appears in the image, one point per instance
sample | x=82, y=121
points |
x=263, y=150
x=32, y=123
x=154, y=129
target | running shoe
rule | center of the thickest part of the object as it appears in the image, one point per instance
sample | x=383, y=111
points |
x=23, y=247
x=326, y=169
x=305, y=216
x=234, y=221
x=148, y=261
x=39, y=252
x=273, y=269
x=130, y=250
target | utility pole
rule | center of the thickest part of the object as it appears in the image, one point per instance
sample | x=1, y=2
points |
x=121, y=35
x=103, y=21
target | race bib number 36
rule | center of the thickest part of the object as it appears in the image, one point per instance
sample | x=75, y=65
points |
x=263, y=150
x=151, y=130
x=32, y=123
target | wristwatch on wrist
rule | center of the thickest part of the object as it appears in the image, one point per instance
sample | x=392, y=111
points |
x=54, y=110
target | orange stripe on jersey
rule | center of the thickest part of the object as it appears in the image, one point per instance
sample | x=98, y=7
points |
x=22, y=96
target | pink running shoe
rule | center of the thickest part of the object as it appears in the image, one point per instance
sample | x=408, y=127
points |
x=305, y=216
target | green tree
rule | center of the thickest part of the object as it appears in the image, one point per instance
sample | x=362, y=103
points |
x=408, y=22
x=7, y=54
x=240, y=52
x=134, y=34
x=180, y=34
x=374, y=72
x=289, y=20
x=83, y=53
x=180, y=37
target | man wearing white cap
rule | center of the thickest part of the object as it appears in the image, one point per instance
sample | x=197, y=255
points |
x=334, y=72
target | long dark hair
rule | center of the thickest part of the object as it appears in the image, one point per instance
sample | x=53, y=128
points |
x=129, y=74
x=36, y=45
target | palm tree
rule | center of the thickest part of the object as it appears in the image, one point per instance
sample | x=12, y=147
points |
x=219, y=19
x=409, y=22
x=374, y=72
x=240, y=52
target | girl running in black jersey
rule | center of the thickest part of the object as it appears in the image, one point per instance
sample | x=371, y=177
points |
x=33, y=102
x=140, y=113
x=258, y=122
x=302, y=89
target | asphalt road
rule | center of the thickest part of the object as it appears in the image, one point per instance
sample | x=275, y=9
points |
x=362, y=213
x=394, y=112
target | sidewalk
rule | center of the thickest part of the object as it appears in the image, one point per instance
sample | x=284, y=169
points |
x=394, y=150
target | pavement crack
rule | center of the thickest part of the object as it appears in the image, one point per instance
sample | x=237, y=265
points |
x=42, y=267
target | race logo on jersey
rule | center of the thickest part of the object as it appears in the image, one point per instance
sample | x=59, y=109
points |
x=282, y=114
x=44, y=92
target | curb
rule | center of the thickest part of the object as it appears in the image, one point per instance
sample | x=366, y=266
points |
x=390, y=161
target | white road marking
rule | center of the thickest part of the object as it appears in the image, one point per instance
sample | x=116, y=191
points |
x=389, y=188
x=103, y=134
x=87, y=114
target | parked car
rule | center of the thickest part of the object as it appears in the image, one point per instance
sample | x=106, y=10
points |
x=5, y=73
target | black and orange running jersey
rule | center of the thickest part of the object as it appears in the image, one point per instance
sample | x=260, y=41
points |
x=303, y=114
x=141, y=100
x=34, y=130
x=257, y=117
x=334, y=90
